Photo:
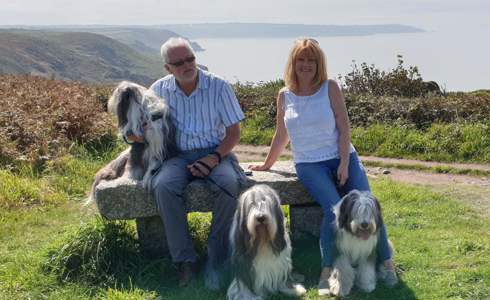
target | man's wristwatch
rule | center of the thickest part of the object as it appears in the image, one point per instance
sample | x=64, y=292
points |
x=218, y=155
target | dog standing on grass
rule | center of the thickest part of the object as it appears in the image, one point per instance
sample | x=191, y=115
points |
x=358, y=219
x=261, y=248
x=139, y=112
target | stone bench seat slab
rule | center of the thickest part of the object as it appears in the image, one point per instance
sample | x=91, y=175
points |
x=124, y=199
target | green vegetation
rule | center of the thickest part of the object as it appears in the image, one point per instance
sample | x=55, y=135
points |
x=65, y=253
x=392, y=114
x=54, y=135
x=455, y=142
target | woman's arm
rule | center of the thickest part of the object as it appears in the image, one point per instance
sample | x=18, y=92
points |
x=342, y=122
x=280, y=139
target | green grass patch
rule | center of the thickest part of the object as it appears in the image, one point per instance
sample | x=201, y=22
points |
x=440, y=244
x=18, y=191
x=457, y=142
x=66, y=178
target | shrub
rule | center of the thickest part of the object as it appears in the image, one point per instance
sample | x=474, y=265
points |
x=367, y=79
x=259, y=100
x=42, y=118
x=100, y=251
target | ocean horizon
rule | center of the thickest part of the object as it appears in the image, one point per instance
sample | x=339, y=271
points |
x=456, y=65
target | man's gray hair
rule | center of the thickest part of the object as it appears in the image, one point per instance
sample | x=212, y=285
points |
x=171, y=43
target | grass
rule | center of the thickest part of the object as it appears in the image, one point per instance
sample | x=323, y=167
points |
x=52, y=247
x=440, y=253
x=456, y=142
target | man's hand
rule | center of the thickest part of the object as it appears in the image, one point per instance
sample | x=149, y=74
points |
x=137, y=138
x=203, y=166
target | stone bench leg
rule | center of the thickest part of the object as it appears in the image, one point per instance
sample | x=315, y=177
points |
x=305, y=219
x=151, y=235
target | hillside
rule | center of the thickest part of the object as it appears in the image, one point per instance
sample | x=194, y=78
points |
x=147, y=40
x=78, y=56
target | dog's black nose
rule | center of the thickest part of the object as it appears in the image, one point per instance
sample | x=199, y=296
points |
x=261, y=218
x=364, y=225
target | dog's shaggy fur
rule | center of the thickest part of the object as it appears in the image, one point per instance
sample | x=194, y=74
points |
x=139, y=112
x=358, y=219
x=261, y=248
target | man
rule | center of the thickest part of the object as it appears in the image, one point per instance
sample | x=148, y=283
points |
x=206, y=114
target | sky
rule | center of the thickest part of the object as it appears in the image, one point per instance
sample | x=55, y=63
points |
x=428, y=14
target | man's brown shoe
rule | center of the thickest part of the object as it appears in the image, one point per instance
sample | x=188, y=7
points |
x=187, y=271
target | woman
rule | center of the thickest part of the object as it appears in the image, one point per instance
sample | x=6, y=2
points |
x=311, y=112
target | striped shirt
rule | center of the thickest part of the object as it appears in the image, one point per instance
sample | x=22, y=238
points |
x=202, y=117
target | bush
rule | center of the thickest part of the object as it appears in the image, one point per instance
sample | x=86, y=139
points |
x=256, y=130
x=259, y=100
x=371, y=101
x=365, y=110
x=97, y=252
x=367, y=79
x=42, y=118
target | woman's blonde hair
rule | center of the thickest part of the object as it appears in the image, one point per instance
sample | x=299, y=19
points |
x=312, y=46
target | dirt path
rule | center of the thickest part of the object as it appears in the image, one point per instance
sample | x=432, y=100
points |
x=472, y=190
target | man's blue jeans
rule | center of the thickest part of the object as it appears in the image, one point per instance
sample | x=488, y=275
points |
x=169, y=185
x=319, y=179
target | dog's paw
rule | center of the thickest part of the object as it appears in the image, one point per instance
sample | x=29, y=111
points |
x=390, y=279
x=293, y=289
x=337, y=285
x=334, y=283
x=368, y=287
x=106, y=174
x=213, y=279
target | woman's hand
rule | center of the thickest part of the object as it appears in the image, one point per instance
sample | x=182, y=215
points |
x=342, y=173
x=262, y=167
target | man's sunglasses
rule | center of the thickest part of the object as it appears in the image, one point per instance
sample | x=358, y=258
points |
x=181, y=62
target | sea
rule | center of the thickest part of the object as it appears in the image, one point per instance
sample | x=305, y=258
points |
x=457, y=59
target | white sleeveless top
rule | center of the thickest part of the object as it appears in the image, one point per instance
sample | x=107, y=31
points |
x=310, y=123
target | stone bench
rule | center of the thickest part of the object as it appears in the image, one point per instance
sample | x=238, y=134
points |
x=122, y=199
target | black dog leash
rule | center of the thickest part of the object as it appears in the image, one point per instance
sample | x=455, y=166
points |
x=209, y=179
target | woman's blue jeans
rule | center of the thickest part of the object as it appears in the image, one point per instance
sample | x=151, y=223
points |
x=320, y=180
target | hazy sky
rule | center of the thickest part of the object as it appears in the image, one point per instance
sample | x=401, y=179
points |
x=429, y=14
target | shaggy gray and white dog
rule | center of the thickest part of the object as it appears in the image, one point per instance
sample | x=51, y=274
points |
x=358, y=219
x=261, y=248
x=139, y=112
